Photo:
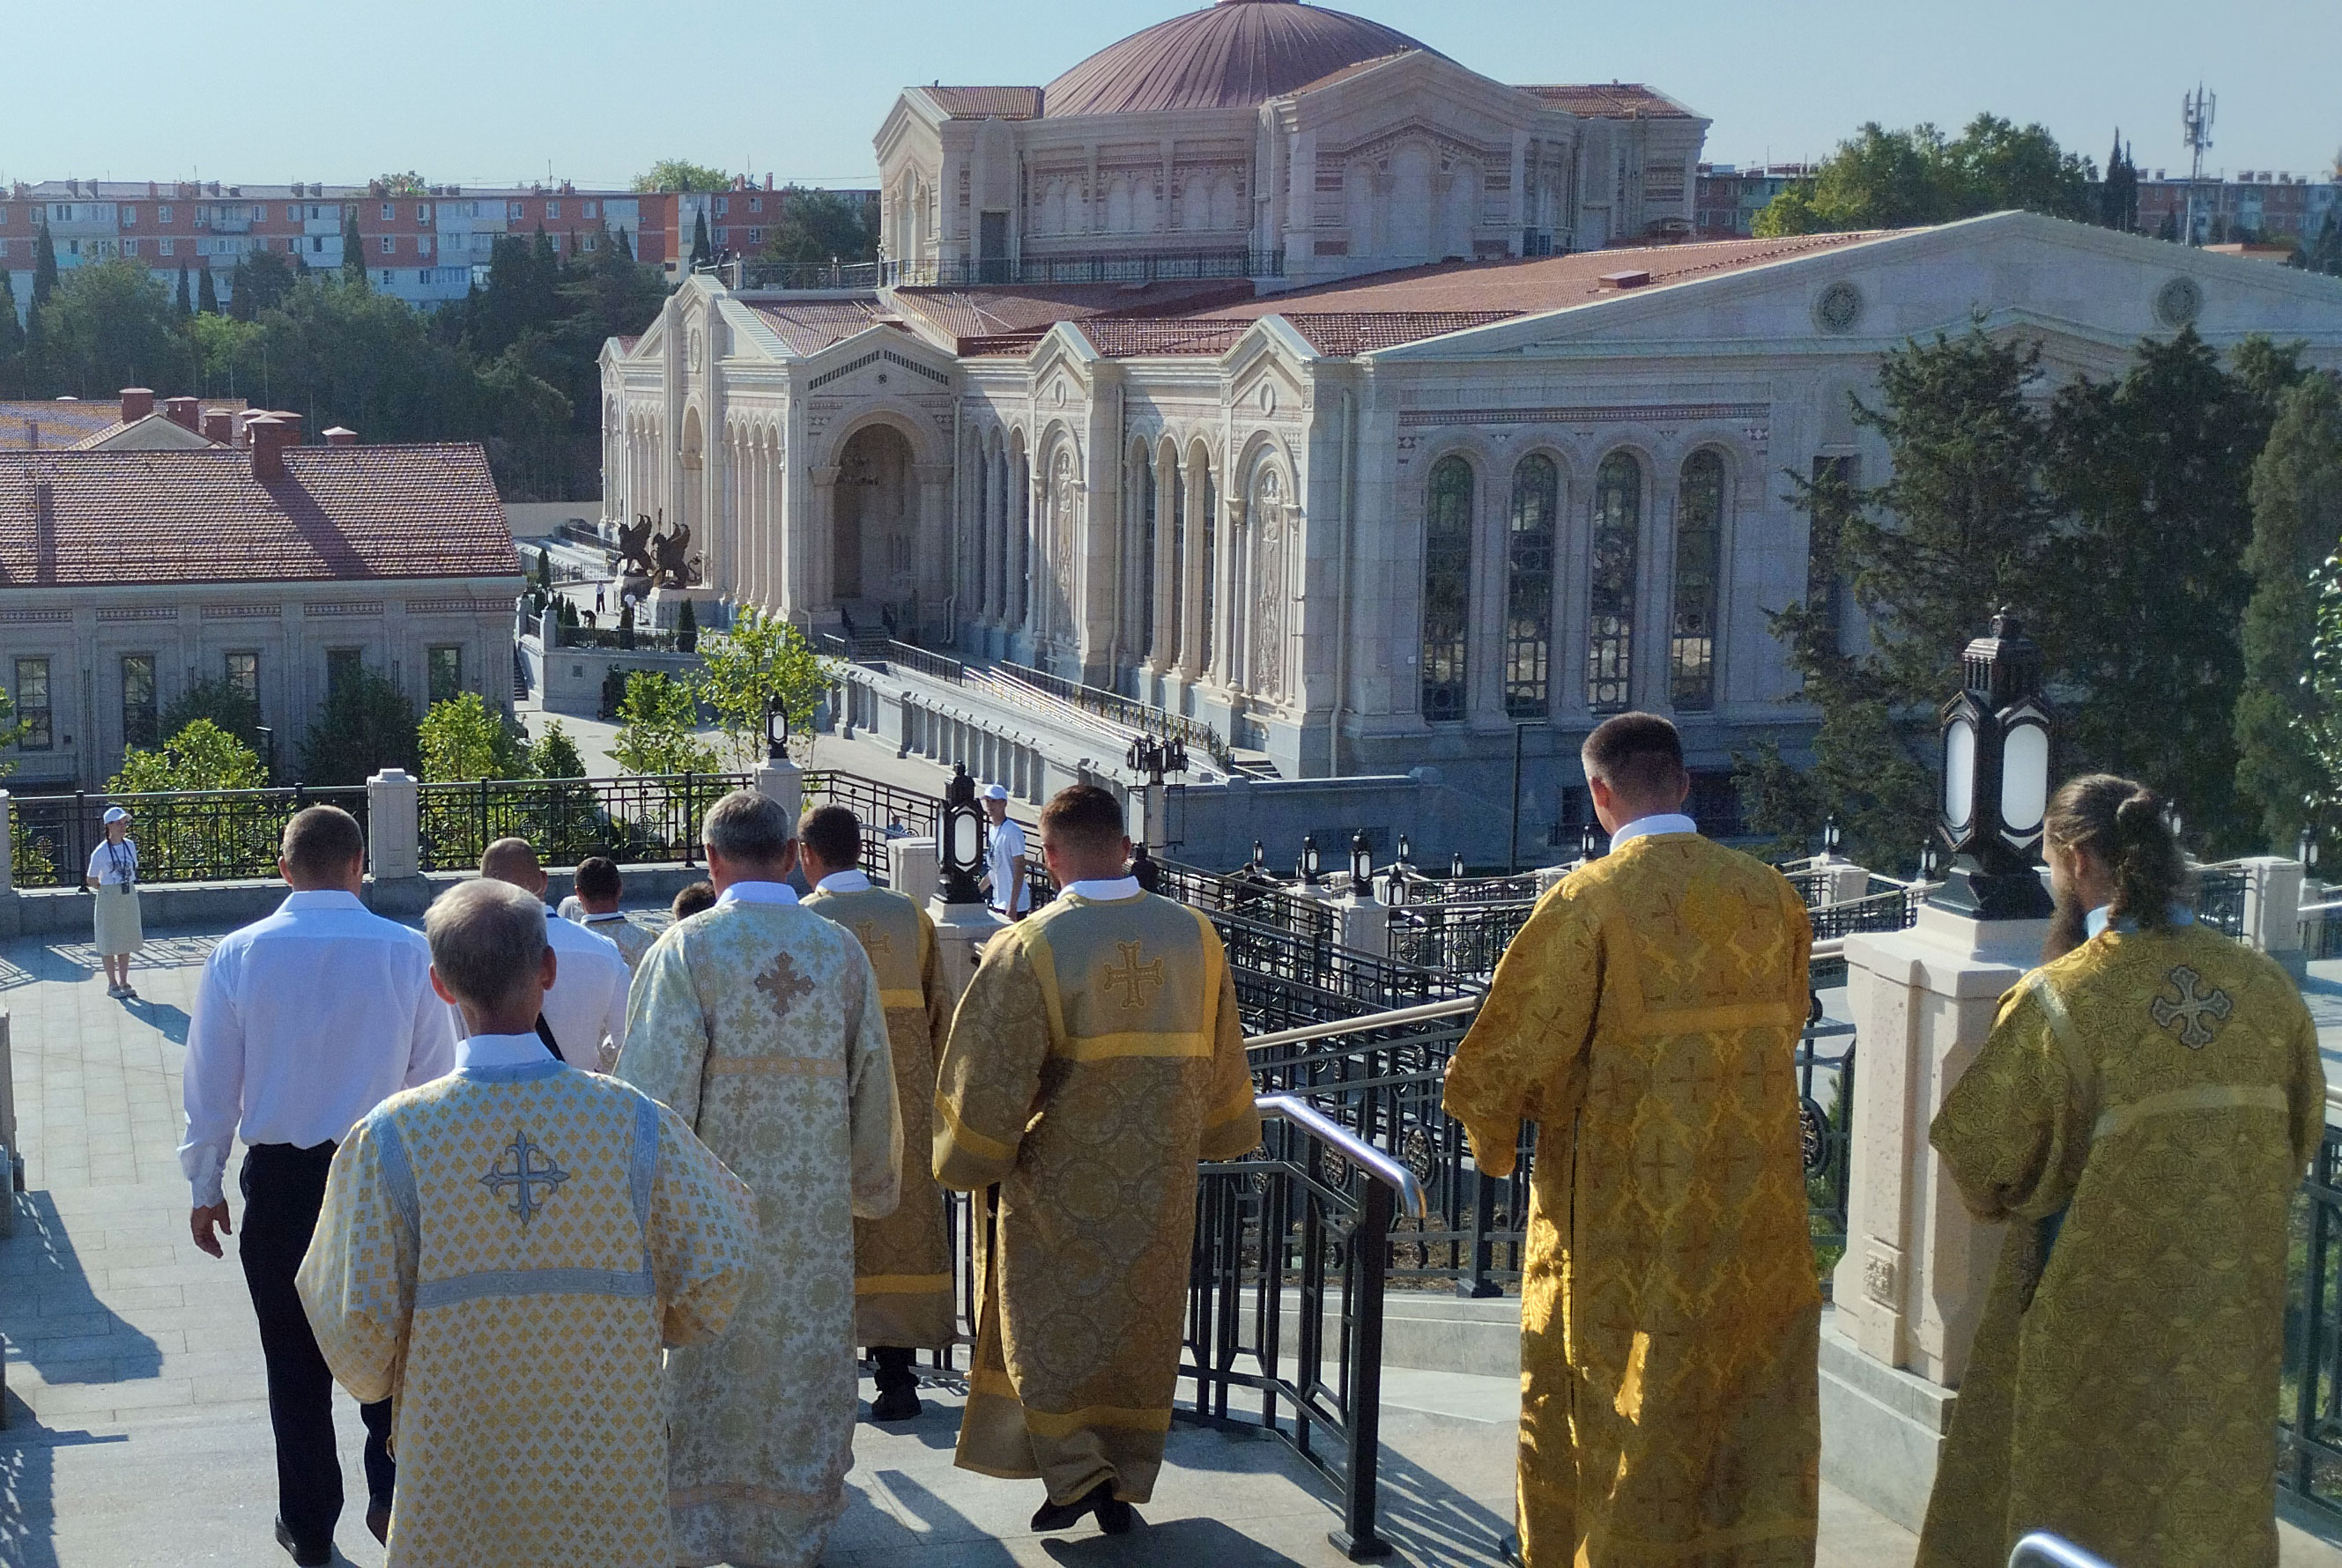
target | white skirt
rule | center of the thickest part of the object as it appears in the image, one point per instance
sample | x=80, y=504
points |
x=118, y=931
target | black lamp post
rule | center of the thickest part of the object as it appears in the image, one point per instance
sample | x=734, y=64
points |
x=1394, y=887
x=1931, y=860
x=1362, y=866
x=1589, y=843
x=2305, y=849
x=1832, y=837
x=1259, y=856
x=1455, y=865
x=1996, y=737
x=776, y=733
x=1308, y=865
x=961, y=849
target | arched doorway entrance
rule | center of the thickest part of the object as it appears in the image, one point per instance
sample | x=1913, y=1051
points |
x=873, y=570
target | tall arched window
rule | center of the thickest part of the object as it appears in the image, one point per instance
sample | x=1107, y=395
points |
x=1699, y=543
x=1610, y=609
x=1143, y=578
x=1447, y=588
x=1211, y=499
x=1176, y=578
x=1529, y=587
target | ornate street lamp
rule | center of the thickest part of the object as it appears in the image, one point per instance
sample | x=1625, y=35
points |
x=1931, y=860
x=1308, y=865
x=963, y=839
x=1455, y=865
x=1394, y=887
x=776, y=732
x=1997, y=737
x=2305, y=849
x=1589, y=843
x=1259, y=856
x=1362, y=866
x=1832, y=836
x=1406, y=854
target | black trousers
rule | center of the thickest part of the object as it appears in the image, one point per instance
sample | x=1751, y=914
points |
x=283, y=1188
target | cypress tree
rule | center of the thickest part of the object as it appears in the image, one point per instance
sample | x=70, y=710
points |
x=625, y=244
x=701, y=252
x=45, y=267
x=353, y=248
x=206, y=293
x=12, y=336
x=186, y=300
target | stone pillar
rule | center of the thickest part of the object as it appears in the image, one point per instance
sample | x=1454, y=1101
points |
x=821, y=544
x=395, y=842
x=1364, y=924
x=784, y=781
x=961, y=931
x=913, y=867
x=938, y=548
x=2273, y=909
x=8, y=844
x=1842, y=881
x=1912, y=1283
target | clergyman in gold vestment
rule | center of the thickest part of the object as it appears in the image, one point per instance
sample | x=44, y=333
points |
x=1095, y=1058
x=1646, y=1019
x=2140, y=1118
x=902, y=1263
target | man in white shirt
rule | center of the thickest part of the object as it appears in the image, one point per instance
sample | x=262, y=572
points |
x=305, y=1021
x=595, y=907
x=1004, y=857
x=586, y=1004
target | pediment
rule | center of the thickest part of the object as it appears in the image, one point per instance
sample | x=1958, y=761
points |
x=879, y=362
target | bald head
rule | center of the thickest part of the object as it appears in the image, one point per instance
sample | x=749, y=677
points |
x=514, y=860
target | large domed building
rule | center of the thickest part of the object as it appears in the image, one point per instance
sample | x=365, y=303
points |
x=1273, y=140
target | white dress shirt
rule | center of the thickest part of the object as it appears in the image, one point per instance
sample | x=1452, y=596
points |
x=1007, y=846
x=305, y=1021
x=587, y=1001
x=111, y=864
x=849, y=881
x=757, y=892
x=1647, y=826
x=1105, y=889
x=501, y=1051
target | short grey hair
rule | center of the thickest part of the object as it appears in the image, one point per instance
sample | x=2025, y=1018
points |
x=487, y=937
x=748, y=827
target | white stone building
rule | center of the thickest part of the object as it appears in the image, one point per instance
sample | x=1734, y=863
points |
x=1363, y=526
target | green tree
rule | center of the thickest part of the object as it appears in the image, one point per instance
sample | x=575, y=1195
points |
x=463, y=741
x=186, y=300
x=13, y=380
x=2286, y=732
x=702, y=253
x=261, y=282
x=763, y=660
x=1885, y=179
x=1959, y=529
x=409, y=184
x=2118, y=195
x=817, y=227
x=554, y=756
x=206, y=293
x=199, y=756
x=657, y=724
x=686, y=629
x=226, y=707
x=1995, y=165
x=2324, y=254
x=366, y=725
x=2153, y=473
x=45, y=266
x=109, y=325
x=354, y=268
x=681, y=174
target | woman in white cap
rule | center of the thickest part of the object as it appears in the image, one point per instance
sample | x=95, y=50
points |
x=114, y=872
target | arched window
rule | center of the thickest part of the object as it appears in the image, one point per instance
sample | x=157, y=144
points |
x=1211, y=499
x=1142, y=577
x=1610, y=609
x=1174, y=596
x=1447, y=588
x=1528, y=586
x=1699, y=543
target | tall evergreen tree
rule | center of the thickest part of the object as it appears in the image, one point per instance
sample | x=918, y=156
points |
x=186, y=300
x=2118, y=191
x=12, y=342
x=2297, y=499
x=206, y=293
x=625, y=244
x=45, y=266
x=701, y=252
x=354, y=268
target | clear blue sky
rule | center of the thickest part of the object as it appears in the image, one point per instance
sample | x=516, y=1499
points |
x=498, y=90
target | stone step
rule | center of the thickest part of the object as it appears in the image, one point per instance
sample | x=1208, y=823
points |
x=1431, y=1331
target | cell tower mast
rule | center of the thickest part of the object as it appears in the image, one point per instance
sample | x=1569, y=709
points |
x=2196, y=111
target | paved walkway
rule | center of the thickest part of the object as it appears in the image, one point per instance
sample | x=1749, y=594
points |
x=138, y=1432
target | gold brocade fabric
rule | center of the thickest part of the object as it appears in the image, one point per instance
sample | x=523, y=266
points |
x=1095, y=1058
x=902, y=1263
x=2141, y=1116
x=761, y=1023
x=518, y=1329
x=1646, y=1019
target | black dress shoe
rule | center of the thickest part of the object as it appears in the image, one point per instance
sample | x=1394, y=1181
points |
x=1115, y=1517
x=900, y=1403
x=1055, y=1517
x=305, y=1556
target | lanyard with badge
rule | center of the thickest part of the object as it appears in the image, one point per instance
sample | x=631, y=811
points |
x=124, y=858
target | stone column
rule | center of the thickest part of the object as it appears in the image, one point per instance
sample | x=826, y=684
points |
x=395, y=843
x=2273, y=909
x=938, y=550
x=961, y=931
x=783, y=781
x=913, y=867
x=1364, y=924
x=821, y=544
x=1912, y=1283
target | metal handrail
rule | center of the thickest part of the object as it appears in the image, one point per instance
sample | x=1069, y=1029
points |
x=2055, y=1551
x=1365, y=1156
x=1389, y=1020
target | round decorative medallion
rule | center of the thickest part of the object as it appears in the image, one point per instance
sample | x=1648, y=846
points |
x=1839, y=308
x=1267, y=397
x=697, y=348
x=2179, y=303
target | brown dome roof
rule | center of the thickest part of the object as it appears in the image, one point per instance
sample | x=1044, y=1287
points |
x=1229, y=55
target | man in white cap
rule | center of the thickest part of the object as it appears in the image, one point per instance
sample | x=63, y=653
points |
x=1004, y=857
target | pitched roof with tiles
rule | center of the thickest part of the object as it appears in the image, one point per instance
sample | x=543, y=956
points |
x=987, y=103
x=809, y=326
x=969, y=316
x=1610, y=100
x=66, y=422
x=339, y=514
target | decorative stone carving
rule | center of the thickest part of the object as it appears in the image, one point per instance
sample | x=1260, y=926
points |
x=2179, y=303
x=1882, y=1276
x=1839, y=308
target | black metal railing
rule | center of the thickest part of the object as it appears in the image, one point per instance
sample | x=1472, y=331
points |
x=2321, y=928
x=2310, y=1407
x=623, y=639
x=2220, y=898
x=1285, y=980
x=192, y=835
x=1107, y=267
x=1466, y=938
x=1896, y=909
x=887, y=811
x=1302, y=1230
x=1253, y=896
x=747, y=274
x=635, y=819
x=1127, y=712
x=934, y=666
x=1521, y=889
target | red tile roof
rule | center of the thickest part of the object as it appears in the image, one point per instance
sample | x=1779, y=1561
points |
x=987, y=103
x=64, y=422
x=342, y=514
x=1611, y=100
x=972, y=316
x=812, y=325
x=1228, y=55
